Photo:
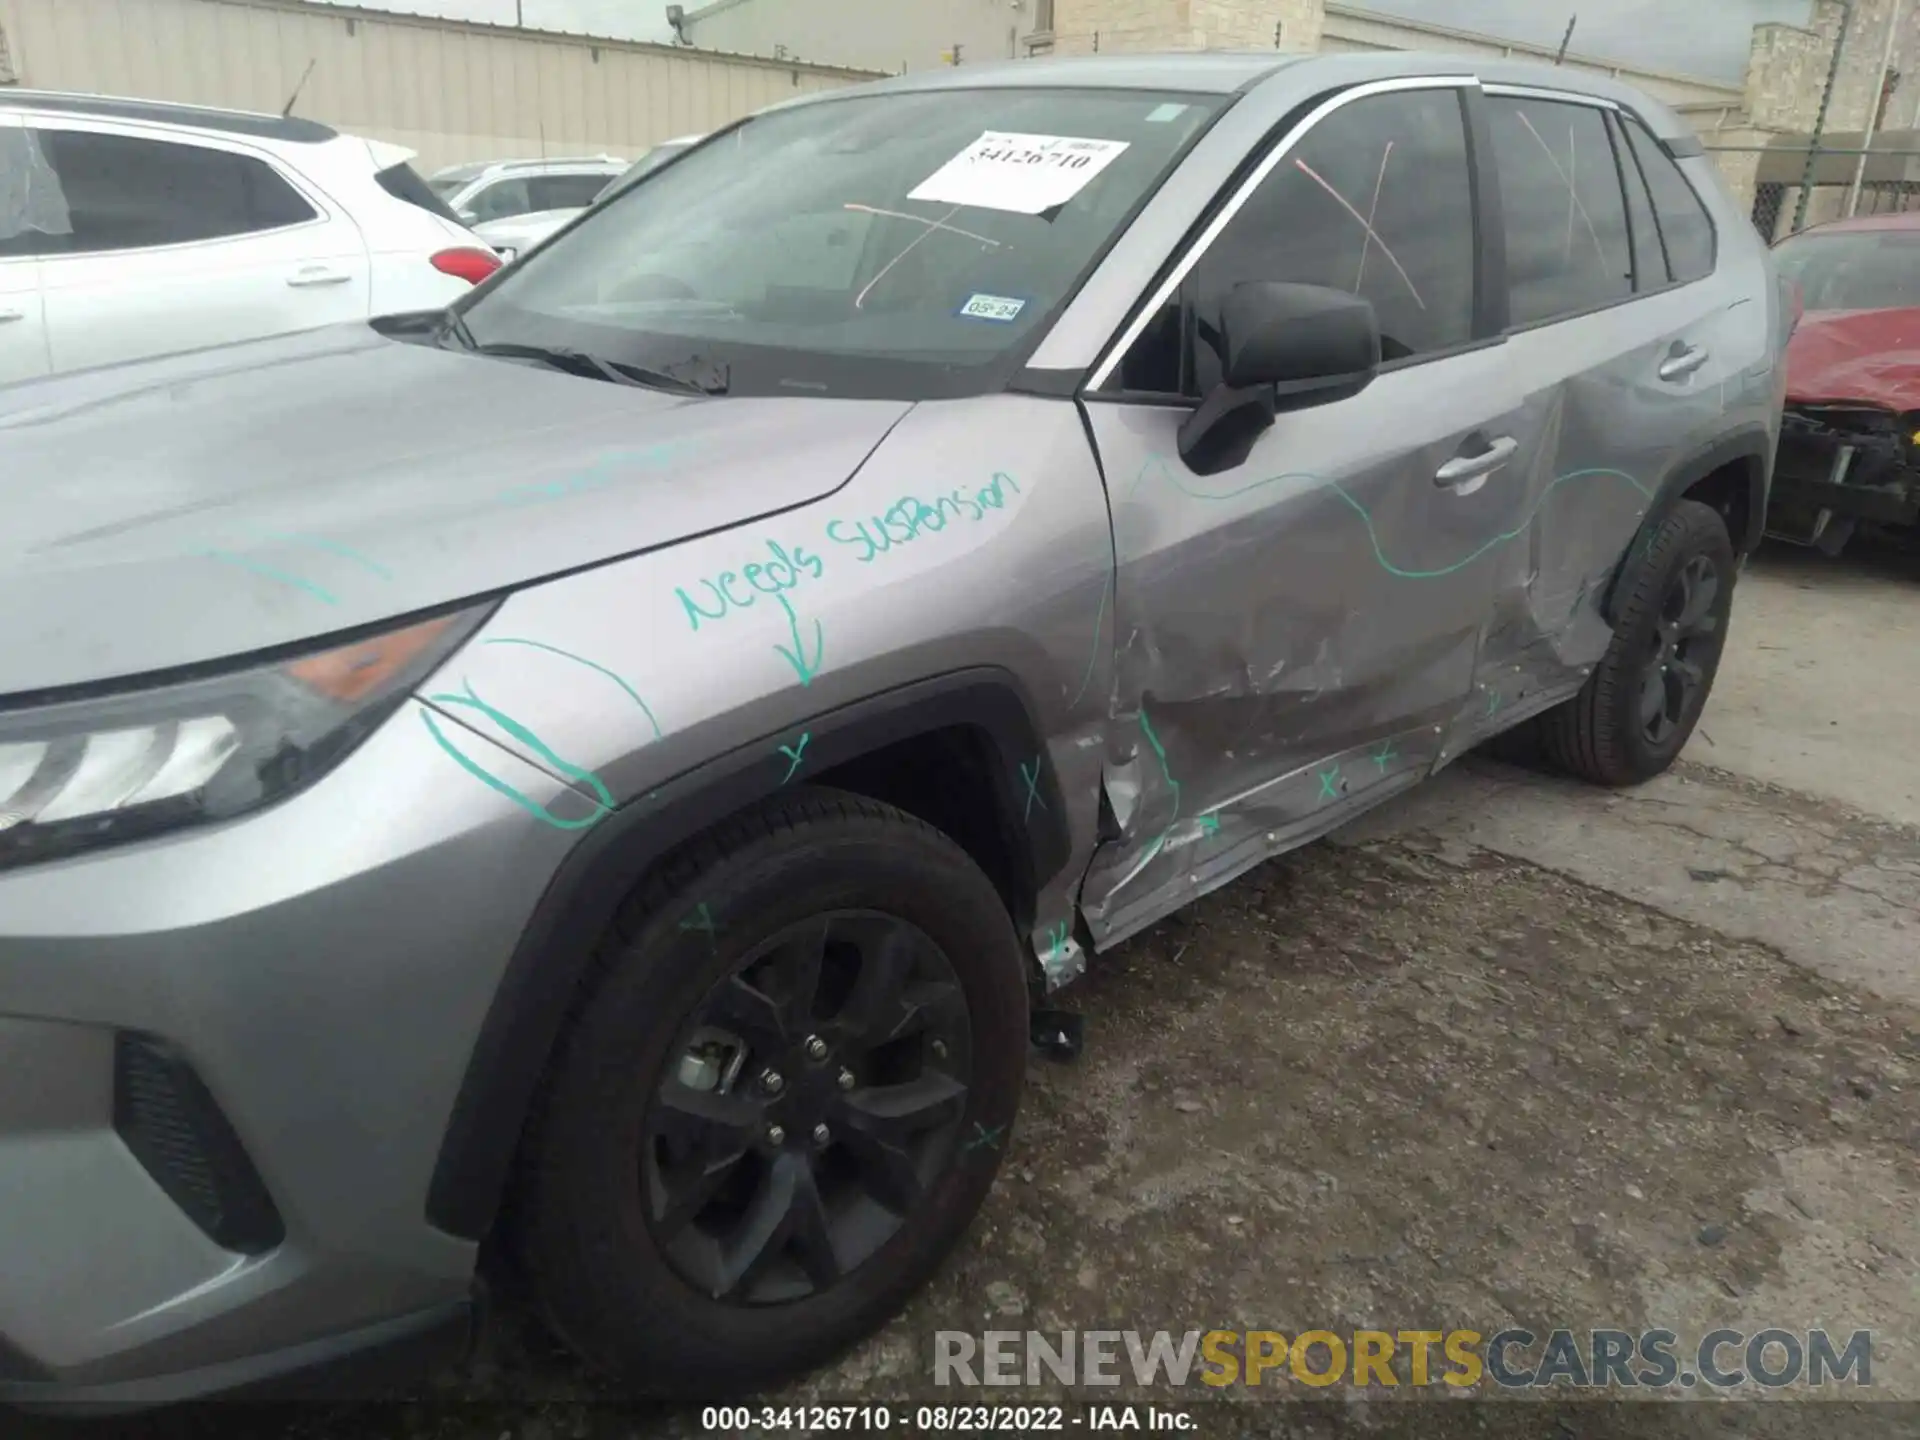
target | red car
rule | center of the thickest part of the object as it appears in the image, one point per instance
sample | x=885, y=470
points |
x=1850, y=440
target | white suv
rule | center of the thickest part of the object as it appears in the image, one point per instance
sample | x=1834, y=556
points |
x=517, y=234
x=488, y=190
x=131, y=228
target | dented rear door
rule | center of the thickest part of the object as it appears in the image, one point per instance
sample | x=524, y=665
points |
x=1295, y=635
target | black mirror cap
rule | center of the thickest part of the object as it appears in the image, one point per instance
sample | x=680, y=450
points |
x=1304, y=339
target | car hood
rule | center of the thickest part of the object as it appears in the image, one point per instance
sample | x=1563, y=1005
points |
x=200, y=506
x=1860, y=356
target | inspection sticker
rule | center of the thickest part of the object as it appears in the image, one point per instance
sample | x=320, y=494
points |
x=1027, y=174
x=1001, y=308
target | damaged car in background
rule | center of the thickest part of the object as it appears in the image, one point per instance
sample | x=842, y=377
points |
x=1849, y=459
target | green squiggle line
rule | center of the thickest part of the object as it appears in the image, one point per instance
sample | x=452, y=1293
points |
x=1093, y=656
x=1366, y=518
x=568, y=654
x=260, y=567
x=1160, y=750
x=526, y=737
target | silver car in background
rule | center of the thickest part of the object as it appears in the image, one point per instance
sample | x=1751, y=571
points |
x=606, y=770
x=516, y=235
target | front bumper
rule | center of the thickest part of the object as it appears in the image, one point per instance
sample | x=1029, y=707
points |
x=1831, y=470
x=319, y=970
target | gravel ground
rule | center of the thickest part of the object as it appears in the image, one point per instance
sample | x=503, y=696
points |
x=1379, y=1088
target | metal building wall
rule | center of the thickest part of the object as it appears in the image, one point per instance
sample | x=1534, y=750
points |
x=452, y=91
x=890, y=35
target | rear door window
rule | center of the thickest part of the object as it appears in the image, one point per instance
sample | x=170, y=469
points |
x=125, y=192
x=564, y=192
x=1684, y=222
x=1566, y=216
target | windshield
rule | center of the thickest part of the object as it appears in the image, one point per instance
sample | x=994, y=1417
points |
x=1855, y=269
x=895, y=246
x=645, y=165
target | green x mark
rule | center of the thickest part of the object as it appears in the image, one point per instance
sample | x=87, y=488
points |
x=983, y=1138
x=1056, y=939
x=1329, y=778
x=1385, y=753
x=1493, y=702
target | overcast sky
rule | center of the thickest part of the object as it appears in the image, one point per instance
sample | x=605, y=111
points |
x=1701, y=37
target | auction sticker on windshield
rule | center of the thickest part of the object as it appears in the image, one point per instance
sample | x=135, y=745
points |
x=1028, y=174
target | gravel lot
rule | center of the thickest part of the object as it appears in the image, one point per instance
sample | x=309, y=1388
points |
x=1513, y=1052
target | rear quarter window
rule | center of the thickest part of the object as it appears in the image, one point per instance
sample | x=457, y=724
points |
x=1684, y=223
x=403, y=182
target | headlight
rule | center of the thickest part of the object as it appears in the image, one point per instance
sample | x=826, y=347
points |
x=79, y=774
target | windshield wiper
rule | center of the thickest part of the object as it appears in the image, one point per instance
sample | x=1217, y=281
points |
x=578, y=362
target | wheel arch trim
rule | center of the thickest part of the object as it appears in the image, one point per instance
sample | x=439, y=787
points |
x=536, y=992
x=1749, y=447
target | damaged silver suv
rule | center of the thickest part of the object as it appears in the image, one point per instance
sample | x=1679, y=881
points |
x=606, y=769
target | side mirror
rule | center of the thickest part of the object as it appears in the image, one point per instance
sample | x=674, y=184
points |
x=1284, y=347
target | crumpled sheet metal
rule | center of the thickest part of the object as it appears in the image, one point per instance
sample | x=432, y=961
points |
x=1259, y=812
x=1293, y=647
x=1869, y=357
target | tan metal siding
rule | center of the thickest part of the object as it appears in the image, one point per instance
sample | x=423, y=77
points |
x=452, y=91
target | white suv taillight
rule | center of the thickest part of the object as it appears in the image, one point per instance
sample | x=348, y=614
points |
x=468, y=262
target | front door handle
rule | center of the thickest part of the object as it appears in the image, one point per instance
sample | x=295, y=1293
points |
x=318, y=275
x=1683, y=363
x=1465, y=474
x=7, y=316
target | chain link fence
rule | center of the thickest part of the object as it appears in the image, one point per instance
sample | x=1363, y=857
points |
x=1790, y=187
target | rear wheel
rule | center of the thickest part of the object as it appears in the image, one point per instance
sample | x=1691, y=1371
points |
x=1638, y=708
x=783, y=1101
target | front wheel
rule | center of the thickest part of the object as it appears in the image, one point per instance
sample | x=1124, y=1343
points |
x=1638, y=708
x=783, y=1101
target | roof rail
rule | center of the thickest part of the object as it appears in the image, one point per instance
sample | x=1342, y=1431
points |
x=559, y=160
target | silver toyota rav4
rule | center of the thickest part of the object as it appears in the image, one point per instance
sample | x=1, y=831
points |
x=608, y=768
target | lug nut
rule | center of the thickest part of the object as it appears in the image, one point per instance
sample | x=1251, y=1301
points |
x=821, y=1135
x=776, y=1135
x=846, y=1079
x=816, y=1047
x=771, y=1082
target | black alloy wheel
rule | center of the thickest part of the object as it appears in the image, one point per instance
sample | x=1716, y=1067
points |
x=1671, y=605
x=785, y=1089
x=1685, y=638
x=817, y=1091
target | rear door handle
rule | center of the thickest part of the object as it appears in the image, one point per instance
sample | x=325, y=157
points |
x=1465, y=474
x=7, y=316
x=1678, y=367
x=318, y=275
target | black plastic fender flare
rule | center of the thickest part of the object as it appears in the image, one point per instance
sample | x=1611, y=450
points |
x=542, y=977
x=1749, y=447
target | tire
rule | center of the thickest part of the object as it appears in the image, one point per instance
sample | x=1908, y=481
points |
x=619, y=1248
x=1603, y=733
